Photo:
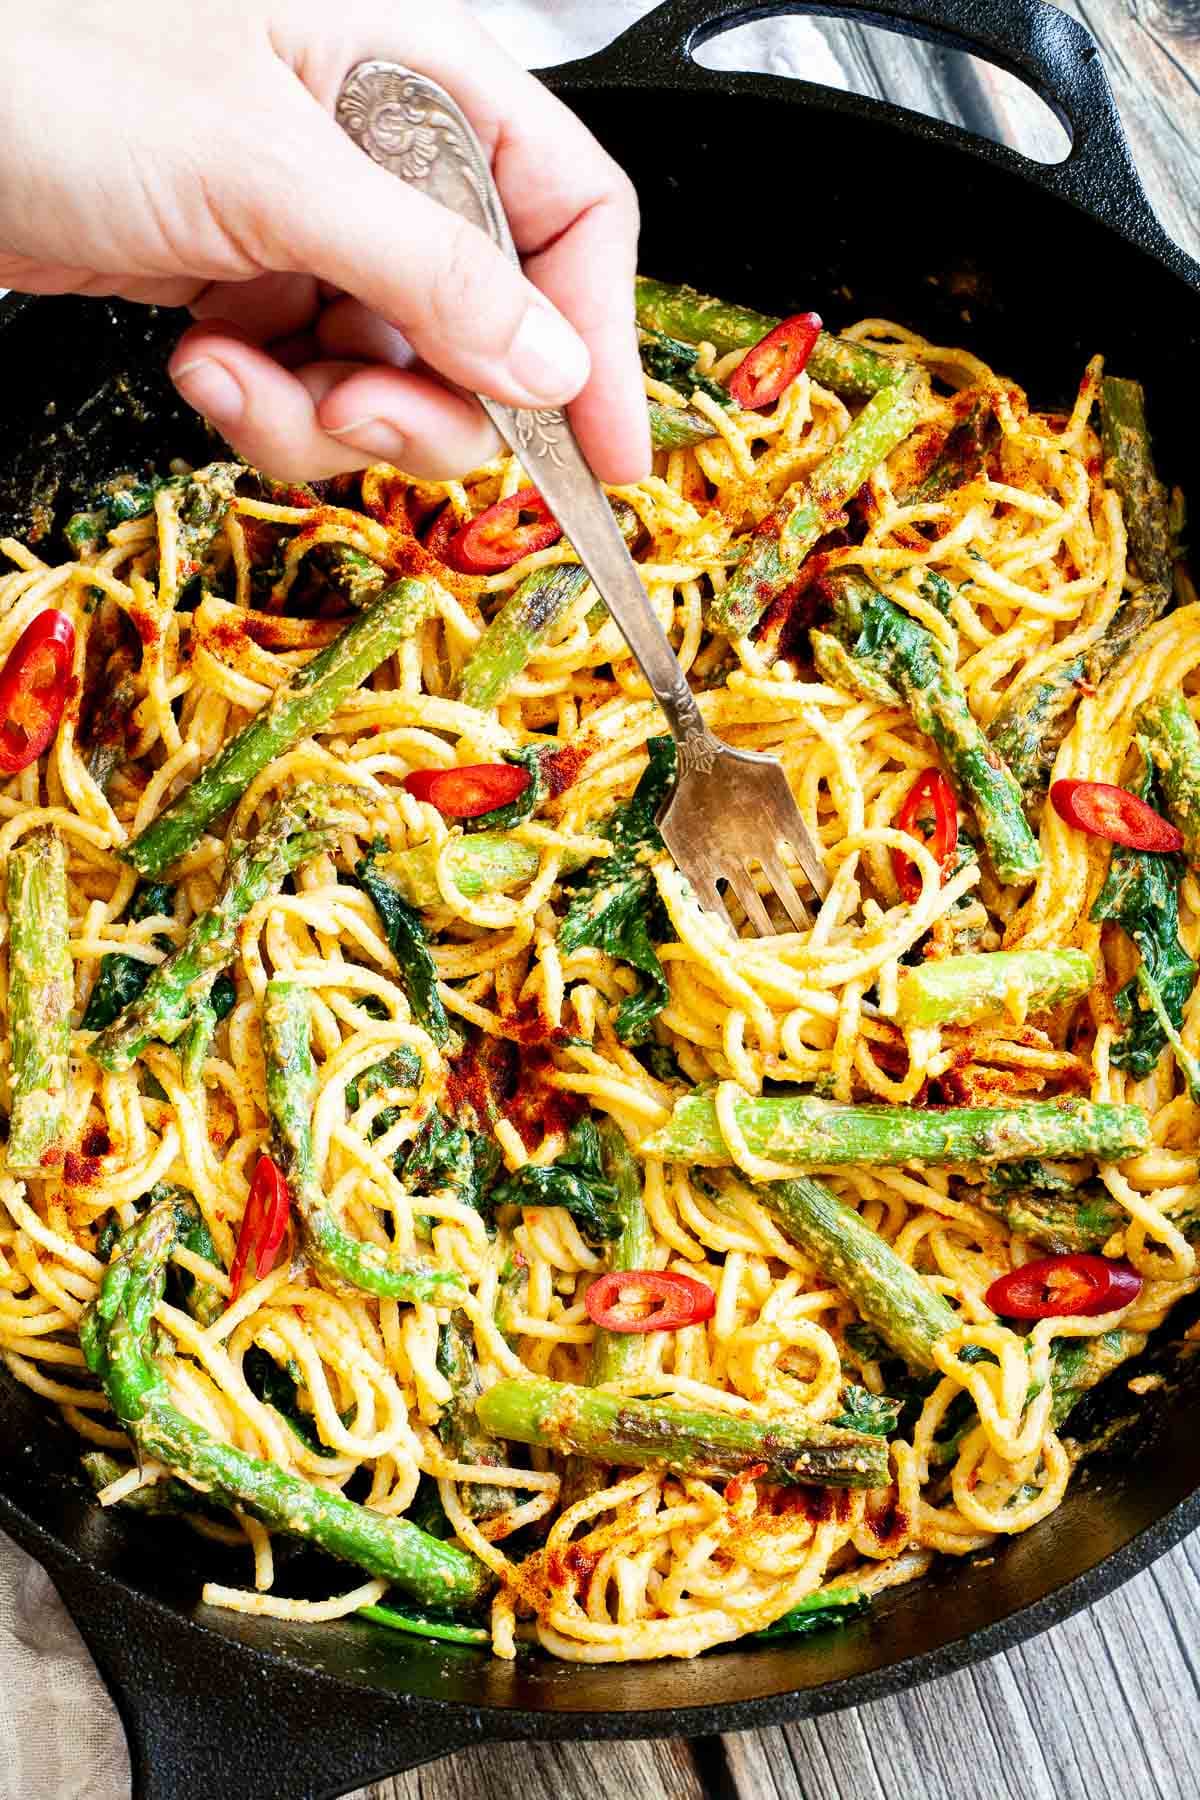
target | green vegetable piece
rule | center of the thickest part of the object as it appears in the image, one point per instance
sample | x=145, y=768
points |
x=888, y=1293
x=342, y=1260
x=200, y=504
x=616, y=1354
x=1036, y=715
x=280, y=1388
x=831, y=1608
x=617, y=908
x=849, y=369
x=607, y=1428
x=1141, y=894
x=834, y=664
x=351, y=574
x=669, y=360
x=409, y=944
x=864, y=1411
x=1081, y=1363
x=311, y=696
x=678, y=427
x=1050, y=1207
x=576, y=1181
x=816, y=1133
x=120, y=979
x=40, y=991
x=459, y=1430
x=441, y=1630
x=115, y=1333
x=1167, y=734
x=777, y=550
x=400, y=1068
x=880, y=637
x=526, y=620
x=960, y=990
x=179, y=990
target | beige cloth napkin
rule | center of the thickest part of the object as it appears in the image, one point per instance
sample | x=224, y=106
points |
x=59, y=1734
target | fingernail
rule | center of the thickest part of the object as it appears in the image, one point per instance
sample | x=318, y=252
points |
x=546, y=358
x=376, y=437
x=211, y=389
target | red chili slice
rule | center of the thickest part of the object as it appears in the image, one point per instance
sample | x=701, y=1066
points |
x=34, y=685
x=685, y=1301
x=775, y=360
x=1064, y=1286
x=930, y=791
x=468, y=792
x=443, y=529
x=263, y=1226
x=502, y=535
x=1114, y=813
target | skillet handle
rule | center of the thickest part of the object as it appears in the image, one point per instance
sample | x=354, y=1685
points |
x=205, y=1718
x=1054, y=54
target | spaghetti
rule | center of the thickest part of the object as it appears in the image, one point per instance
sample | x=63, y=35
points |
x=1010, y=570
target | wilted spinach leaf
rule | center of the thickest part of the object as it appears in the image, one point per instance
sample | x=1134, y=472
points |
x=576, y=1181
x=1141, y=894
x=864, y=1411
x=409, y=944
x=616, y=907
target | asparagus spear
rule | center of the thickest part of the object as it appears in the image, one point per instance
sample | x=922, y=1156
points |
x=1036, y=715
x=1081, y=1363
x=887, y=1292
x=486, y=862
x=816, y=1133
x=200, y=503
x=886, y=641
x=849, y=369
x=1053, y=1209
x=1169, y=739
x=959, y=990
x=301, y=706
x=355, y=577
x=291, y=1086
x=778, y=548
x=616, y=1354
x=608, y=1428
x=40, y=988
x=459, y=1430
x=179, y=990
x=525, y=621
x=161, y=1497
x=115, y=1336
x=678, y=427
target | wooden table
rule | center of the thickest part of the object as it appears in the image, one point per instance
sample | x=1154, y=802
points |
x=1108, y=1702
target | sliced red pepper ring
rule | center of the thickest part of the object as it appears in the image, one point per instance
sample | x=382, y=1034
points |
x=439, y=534
x=263, y=1226
x=774, y=362
x=930, y=792
x=1064, y=1287
x=502, y=535
x=1114, y=813
x=34, y=685
x=468, y=792
x=617, y=1301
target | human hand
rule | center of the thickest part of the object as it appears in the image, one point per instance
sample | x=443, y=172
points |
x=192, y=159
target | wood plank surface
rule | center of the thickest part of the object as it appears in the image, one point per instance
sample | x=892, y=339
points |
x=1106, y=1703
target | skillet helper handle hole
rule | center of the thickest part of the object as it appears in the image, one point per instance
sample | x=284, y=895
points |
x=1052, y=53
x=883, y=62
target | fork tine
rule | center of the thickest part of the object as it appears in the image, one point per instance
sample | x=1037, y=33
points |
x=703, y=884
x=742, y=883
x=784, y=886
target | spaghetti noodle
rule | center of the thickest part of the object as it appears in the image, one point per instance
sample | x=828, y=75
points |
x=1029, y=553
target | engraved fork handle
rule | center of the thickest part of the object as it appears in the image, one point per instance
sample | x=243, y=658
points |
x=411, y=127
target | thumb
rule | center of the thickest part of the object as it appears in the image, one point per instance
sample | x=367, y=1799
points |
x=465, y=309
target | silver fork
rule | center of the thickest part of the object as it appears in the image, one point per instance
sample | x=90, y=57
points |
x=729, y=809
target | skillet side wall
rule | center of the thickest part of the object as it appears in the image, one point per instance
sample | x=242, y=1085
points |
x=784, y=207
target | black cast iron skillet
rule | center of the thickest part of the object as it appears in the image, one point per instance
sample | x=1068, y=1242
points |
x=787, y=196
